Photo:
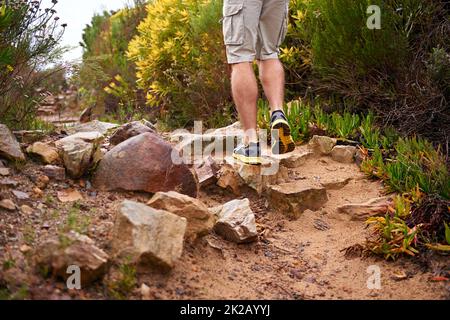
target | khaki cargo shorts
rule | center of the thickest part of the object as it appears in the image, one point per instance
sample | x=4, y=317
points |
x=254, y=29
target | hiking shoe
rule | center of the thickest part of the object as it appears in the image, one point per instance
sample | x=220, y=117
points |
x=249, y=154
x=284, y=142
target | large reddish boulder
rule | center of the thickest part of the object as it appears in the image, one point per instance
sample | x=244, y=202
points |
x=145, y=163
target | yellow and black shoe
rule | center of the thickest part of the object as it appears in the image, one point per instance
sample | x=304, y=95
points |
x=282, y=142
x=249, y=154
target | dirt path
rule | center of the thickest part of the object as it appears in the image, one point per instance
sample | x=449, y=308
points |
x=293, y=259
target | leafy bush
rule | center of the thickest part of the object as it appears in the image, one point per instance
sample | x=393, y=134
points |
x=371, y=135
x=181, y=62
x=432, y=213
x=264, y=115
x=299, y=116
x=416, y=221
x=416, y=163
x=29, y=36
x=418, y=172
x=392, y=237
x=344, y=126
x=106, y=78
x=296, y=52
x=363, y=68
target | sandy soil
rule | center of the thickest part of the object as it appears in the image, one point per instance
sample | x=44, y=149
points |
x=301, y=259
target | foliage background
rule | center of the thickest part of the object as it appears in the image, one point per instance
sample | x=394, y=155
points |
x=401, y=71
x=106, y=79
x=29, y=36
x=181, y=63
x=170, y=58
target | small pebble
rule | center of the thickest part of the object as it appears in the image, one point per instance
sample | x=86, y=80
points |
x=8, y=205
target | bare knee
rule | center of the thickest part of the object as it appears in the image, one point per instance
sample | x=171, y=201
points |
x=270, y=70
x=242, y=66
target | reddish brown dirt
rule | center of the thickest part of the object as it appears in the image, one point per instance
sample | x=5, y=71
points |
x=292, y=259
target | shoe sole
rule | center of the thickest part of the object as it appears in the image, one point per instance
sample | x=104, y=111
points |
x=285, y=143
x=255, y=161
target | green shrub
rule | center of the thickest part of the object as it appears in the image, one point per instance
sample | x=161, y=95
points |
x=366, y=69
x=299, y=116
x=27, y=41
x=344, y=126
x=439, y=69
x=264, y=115
x=321, y=119
x=369, y=133
x=392, y=237
x=106, y=78
x=296, y=52
x=416, y=164
x=181, y=62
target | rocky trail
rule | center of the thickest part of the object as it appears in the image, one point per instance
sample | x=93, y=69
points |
x=111, y=200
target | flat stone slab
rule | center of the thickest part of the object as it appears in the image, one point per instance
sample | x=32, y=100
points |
x=94, y=126
x=336, y=184
x=363, y=211
x=294, y=198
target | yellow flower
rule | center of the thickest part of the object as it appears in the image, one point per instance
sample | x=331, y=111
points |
x=300, y=16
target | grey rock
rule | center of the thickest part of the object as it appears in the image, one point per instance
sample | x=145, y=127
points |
x=344, y=154
x=79, y=152
x=200, y=219
x=236, y=222
x=56, y=256
x=322, y=144
x=9, y=146
x=54, y=172
x=7, y=205
x=149, y=237
x=20, y=195
x=5, y=182
x=94, y=126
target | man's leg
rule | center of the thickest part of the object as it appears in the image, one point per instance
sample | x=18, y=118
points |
x=273, y=80
x=240, y=27
x=272, y=30
x=245, y=94
x=272, y=77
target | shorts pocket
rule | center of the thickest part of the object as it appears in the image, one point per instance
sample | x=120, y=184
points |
x=233, y=24
x=284, y=26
